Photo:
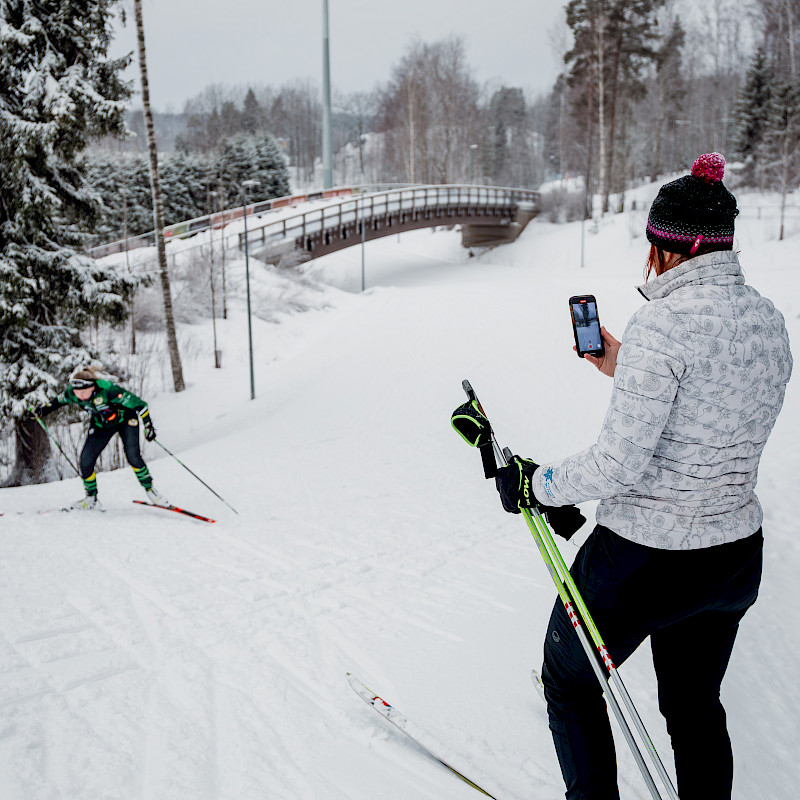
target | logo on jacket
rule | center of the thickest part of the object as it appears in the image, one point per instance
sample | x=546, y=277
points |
x=548, y=482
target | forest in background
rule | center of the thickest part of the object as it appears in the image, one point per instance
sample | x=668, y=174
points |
x=645, y=87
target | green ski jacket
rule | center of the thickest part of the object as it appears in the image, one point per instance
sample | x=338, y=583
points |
x=107, y=407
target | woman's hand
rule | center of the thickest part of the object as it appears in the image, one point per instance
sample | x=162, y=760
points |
x=608, y=363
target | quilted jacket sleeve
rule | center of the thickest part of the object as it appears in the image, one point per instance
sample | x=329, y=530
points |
x=651, y=362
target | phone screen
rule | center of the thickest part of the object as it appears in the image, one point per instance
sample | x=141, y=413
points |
x=587, y=325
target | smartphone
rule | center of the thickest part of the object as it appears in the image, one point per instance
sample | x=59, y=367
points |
x=586, y=325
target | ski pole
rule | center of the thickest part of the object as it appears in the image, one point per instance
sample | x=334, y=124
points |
x=53, y=440
x=196, y=476
x=581, y=618
x=613, y=673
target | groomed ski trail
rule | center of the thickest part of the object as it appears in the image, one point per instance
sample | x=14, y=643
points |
x=198, y=662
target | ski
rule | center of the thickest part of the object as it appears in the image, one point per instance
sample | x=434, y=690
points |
x=417, y=735
x=50, y=511
x=175, y=509
x=537, y=683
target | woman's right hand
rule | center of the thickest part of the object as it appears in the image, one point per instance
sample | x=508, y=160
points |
x=608, y=363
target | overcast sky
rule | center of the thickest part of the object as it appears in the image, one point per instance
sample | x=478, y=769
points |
x=194, y=43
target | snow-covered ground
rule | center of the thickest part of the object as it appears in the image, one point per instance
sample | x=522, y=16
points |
x=143, y=655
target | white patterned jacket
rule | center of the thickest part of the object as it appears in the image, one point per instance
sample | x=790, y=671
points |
x=700, y=379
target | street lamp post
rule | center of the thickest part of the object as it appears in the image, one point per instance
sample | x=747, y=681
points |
x=327, y=148
x=472, y=149
x=212, y=278
x=245, y=185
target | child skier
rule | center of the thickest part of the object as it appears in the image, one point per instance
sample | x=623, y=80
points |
x=111, y=410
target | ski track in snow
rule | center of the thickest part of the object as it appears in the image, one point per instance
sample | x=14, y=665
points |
x=160, y=659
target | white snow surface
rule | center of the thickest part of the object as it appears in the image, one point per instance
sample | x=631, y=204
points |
x=145, y=655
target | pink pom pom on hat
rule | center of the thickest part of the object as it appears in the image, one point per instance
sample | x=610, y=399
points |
x=710, y=167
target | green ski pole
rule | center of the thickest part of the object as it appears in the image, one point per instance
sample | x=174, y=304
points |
x=53, y=440
x=476, y=430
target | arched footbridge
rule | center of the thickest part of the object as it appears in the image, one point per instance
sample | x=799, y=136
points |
x=303, y=227
x=487, y=215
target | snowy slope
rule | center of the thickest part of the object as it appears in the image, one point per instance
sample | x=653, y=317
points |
x=147, y=656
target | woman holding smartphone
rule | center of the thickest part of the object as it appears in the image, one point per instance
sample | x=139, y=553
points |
x=699, y=380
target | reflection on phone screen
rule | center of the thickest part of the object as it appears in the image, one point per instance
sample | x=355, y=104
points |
x=587, y=326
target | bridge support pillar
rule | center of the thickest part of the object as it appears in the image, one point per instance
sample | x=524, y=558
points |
x=494, y=233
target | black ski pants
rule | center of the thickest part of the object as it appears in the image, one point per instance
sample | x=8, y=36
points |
x=98, y=438
x=689, y=602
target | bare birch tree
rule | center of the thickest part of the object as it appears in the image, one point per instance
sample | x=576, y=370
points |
x=158, y=211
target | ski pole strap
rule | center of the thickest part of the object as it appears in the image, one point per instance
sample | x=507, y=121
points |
x=488, y=460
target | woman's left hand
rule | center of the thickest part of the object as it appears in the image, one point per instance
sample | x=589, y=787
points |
x=607, y=364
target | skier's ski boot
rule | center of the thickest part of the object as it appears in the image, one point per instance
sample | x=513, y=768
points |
x=88, y=503
x=155, y=498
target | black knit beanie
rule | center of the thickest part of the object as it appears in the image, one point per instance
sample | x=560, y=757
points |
x=695, y=210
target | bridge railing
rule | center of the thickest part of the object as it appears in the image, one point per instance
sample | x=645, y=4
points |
x=218, y=219
x=411, y=200
x=347, y=207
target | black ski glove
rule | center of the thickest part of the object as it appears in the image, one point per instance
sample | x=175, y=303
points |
x=515, y=485
x=149, y=430
x=40, y=411
x=471, y=425
x=564, y=520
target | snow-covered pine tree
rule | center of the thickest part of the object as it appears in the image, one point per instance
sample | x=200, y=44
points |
x=134, y=174
x=252, y=114
x=177, y=188
x=271, y=170
x=259, y=158
x=752, y=115
x=57, y=87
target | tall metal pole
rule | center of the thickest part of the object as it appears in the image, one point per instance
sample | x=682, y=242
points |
x=363, y=254
x=247, y=279
x=211, y=280
x=327, y=149
x=583, y=220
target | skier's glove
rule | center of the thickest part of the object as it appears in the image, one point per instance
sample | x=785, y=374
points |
x=564, y=520
x=471, y=425
x=149, y=430
x=515, y=485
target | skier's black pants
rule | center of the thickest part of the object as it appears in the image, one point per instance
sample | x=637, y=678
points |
x=98, y=438
x=690, y=603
